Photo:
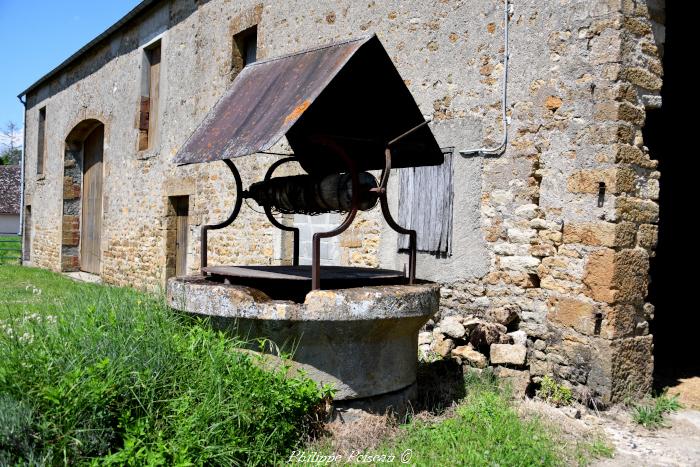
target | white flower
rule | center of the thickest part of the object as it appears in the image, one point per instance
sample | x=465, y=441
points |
x=26, y=337
x=35, y=291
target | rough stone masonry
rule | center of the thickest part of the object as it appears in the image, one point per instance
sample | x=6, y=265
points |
x=551, y=240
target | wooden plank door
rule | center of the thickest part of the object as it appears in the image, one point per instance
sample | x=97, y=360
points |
x=91, y=225
x=182, y=227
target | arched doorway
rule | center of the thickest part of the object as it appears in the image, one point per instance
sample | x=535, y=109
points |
x=82, y=198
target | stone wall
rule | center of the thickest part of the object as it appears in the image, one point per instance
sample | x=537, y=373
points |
x=571, y=256
x=538, y=246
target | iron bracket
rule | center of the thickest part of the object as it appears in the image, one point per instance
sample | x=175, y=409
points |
x=227, y=222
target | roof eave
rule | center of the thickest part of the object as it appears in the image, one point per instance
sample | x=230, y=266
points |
x=104, y=35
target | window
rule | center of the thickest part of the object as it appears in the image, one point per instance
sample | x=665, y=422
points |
x=150, y=92
x=330, y=247
x=245, y=48
x=425, y=205
x=41, y=142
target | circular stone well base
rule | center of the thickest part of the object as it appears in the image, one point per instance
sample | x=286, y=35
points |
x=363, y=341
x=398, y=403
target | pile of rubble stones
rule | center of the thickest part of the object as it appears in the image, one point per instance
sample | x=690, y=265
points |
x=476, y=343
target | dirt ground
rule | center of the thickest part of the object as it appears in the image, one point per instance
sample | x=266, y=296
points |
x=688, y=390
x=677, y=444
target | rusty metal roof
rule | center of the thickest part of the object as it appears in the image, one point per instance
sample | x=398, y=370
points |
x=348, y=92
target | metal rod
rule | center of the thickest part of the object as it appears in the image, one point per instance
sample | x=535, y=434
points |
x=316, y=244
x=403, y=135
x=384, y=203
x=275, y=222
x=227, y=222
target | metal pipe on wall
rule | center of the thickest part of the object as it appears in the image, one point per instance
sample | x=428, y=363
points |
x=21, y=171
x=498, y=150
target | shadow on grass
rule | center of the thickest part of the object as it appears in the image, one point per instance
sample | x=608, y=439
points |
x=440, y=384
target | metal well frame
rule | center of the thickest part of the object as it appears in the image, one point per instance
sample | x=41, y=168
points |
x=382, y=194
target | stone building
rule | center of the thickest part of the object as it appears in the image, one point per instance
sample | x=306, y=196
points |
x=551, y=236
x=9, y=199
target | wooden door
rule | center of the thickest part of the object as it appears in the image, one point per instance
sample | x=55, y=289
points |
x=182, y=226
x=91, y=225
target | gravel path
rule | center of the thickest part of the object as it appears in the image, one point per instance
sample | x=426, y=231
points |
x=678, y=444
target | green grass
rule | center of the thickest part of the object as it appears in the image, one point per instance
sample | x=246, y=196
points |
x=11, y=242
x=650, y=412
x=31, y=290
x=96, y=374
x=485, y=430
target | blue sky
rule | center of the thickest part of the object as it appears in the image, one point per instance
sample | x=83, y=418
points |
x=37, y=35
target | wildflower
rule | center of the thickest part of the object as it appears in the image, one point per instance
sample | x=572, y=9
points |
x=26, y=338
x=6, y=329
x=35, y=290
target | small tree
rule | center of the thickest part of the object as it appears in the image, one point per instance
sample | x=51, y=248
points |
x=10, y=153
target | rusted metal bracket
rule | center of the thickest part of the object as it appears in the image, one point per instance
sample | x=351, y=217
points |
x=227, y=222
x=384, y=203
x=316, y=244
x=275, y=222
x=381, y=191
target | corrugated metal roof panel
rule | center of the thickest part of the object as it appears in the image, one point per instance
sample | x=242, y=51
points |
x=263, y=102
x=347, y=92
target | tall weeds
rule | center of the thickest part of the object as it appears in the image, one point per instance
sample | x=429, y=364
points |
x=114, y=375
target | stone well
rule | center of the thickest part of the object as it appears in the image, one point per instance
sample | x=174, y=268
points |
x=353, y=328
x=363, y=340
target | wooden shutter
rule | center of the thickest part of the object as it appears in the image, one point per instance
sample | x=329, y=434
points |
x=153, y=90
x=41, y=143
x=425, y=205
x=148, y=105
x=144, y=111
x=27, y=247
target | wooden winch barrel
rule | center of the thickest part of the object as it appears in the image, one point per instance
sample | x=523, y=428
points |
x=305, y=194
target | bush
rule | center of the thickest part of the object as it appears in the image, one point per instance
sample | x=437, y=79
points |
x=555, y=393
x=113, y=375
